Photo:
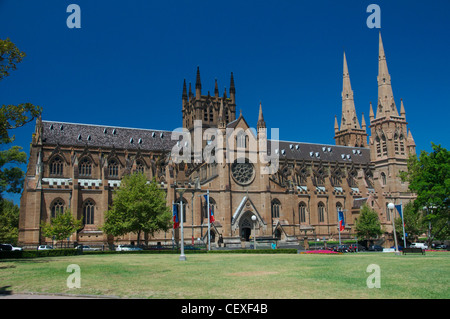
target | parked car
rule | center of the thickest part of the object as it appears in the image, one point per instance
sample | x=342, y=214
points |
x=45, y=247
x=356, y=247
x=9, y=247
x=87, y=248
x=441, y=247
x=419, y=245
x=127, y=248
x=343, y=248
x=375, y=248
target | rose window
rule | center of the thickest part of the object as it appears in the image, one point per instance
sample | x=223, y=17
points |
x=243, y=173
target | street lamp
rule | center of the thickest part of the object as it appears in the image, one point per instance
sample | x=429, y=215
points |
x=181, y=191
x=254, y=231
x=391, y=207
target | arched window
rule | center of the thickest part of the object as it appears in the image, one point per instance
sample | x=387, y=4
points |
x=276, y=205
x=140, y=167
x=321, y=212
x=56, y=166
x=88, y=212
x=383, y=179
x=212, y=205
x=113, y=168
x=57, y=207
x=302, y=212
x=241, y=139
x=85, y=167
x=339, y=207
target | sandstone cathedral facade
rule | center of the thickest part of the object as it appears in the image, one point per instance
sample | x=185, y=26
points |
x=78, y=166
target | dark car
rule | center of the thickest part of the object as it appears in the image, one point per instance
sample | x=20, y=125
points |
x=343, y=248
x=356, y=247
x=375, y=248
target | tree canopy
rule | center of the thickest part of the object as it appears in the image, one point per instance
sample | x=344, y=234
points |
x=61, y=226
x=12, y=117
x=368, y=224
x=429, y=178
x=138, y=206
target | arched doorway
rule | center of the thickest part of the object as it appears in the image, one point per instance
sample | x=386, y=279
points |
x=246, y=226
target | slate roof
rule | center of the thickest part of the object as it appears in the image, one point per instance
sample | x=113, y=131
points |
x=316, y=152
x=74, y=134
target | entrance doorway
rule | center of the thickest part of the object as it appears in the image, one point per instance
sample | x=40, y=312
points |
x=245, y=226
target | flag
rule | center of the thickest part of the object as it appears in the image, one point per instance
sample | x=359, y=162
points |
x=211, y=213
x=399, y=209
x=341, y=221
x=176, y=222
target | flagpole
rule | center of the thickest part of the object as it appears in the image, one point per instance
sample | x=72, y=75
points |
x=339, y=227
x=209, y=224
x=403, y=224
x=181, y=192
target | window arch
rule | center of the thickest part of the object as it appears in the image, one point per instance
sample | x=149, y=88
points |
x=57, y=207
x=321, y=212
x=56, y=166
x=140, y=168
x=276, y=205
x=85, y=167
x=241, y=139
x=383, y=179
x=113, y=168
x=302, y=212
x=88, y=212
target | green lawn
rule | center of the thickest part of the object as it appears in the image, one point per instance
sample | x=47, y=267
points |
x=235, y=275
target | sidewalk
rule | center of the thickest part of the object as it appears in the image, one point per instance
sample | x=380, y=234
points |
x=52, y=296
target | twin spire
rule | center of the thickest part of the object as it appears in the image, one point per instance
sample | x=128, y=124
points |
x=385, y=104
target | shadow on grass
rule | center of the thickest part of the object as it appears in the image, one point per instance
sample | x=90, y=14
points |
x=4, y=291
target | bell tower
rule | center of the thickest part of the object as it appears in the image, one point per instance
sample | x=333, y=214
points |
x=390, y=142
x=211, y=110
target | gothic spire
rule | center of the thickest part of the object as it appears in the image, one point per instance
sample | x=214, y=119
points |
x=184, y=95
x=349, y=118
x=261, y=123
x=386, y=104
x=198, y=83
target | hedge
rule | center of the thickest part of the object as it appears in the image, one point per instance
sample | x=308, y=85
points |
x=74, y=252
x=38, y=253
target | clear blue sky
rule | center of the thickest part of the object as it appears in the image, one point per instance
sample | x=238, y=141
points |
x=126, y=64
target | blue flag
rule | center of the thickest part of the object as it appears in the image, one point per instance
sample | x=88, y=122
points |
x=341, y=221
x=399, y=209
x=176, y=222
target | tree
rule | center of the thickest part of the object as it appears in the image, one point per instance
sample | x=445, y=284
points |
x=368, y=224
x=9, y=221
x=137, y=207
x=11, y=117
x=429, y=178
x=61, y=226
x=413, y=219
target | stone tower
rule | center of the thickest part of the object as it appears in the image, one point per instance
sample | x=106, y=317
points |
x=350, y=132
x=390, y=142
x=206, y=108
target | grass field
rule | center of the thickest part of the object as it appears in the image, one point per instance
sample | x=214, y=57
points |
x=232, y=276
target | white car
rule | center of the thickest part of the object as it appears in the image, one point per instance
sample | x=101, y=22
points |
x=45, y=247
x=9, y=247
x=127, y=248
x=419, y=245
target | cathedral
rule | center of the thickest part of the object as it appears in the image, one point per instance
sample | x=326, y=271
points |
x=78, y=166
